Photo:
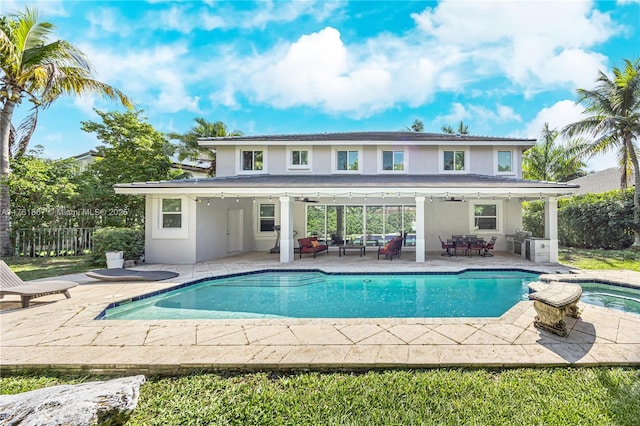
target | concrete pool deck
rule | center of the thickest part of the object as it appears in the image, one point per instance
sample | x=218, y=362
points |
x=60, y=333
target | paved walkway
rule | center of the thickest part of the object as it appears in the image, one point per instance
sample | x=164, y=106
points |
x=59, y=333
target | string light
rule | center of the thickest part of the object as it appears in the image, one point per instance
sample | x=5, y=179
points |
x=237, y=199
x=254, y=200
x=222, y=195
x=431, y=199
x=208, y=203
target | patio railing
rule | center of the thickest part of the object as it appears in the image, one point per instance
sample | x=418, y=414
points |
x=53, y=241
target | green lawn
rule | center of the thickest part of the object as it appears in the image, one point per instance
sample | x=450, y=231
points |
x=31, y=268
x=545, y=396
x=600, y=259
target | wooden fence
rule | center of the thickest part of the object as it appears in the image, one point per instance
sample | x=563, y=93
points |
x=53, y=241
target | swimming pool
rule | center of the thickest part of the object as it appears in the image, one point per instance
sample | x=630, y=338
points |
x=316, y=294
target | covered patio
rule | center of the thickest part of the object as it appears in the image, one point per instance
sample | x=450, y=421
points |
x=219, y=217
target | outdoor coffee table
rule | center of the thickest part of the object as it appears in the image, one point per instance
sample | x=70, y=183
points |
x=343, y=249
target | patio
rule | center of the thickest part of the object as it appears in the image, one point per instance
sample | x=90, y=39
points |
x=60, y=333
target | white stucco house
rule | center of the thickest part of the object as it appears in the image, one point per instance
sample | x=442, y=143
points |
x=357, y=186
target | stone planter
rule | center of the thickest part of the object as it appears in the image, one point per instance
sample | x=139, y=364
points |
x=114, y=259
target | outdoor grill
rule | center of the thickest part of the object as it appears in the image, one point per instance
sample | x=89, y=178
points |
x=518, y=240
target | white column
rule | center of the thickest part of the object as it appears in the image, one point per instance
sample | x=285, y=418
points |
x=551, y=226
x=286, y=229
x=420, y=244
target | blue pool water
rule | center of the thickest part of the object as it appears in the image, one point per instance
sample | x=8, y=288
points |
x=611, y=296
x=300, y=294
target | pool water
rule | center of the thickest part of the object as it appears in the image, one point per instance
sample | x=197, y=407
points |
x=296, y=294
x=611, y=296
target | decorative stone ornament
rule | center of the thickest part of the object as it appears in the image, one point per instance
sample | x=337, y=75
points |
x=552, y=302
x=95, y=403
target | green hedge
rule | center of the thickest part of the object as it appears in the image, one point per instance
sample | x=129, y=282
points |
x=603, y=220
x=129, y=240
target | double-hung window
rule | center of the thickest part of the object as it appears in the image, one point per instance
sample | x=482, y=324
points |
x=454, y=160
x=485, y=217
x=267, y=217
x=347, y=160
x=393, y=160
x=171, y=213
x=252, y=160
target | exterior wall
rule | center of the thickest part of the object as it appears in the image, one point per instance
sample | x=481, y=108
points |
x=211, y=235
x=225, y=161
x=160, y=249
x=321, y=160
x=422, y=160
x=481, y=161
x=369, y=160
x=277, y=155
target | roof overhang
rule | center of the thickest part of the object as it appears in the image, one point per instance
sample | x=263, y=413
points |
x=353, y=186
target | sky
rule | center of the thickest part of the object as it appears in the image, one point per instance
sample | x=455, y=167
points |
x=504, y=68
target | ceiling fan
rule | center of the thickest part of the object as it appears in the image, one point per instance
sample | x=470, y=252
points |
x=305, y=200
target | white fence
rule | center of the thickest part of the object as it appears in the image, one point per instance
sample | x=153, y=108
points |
x=53, y=241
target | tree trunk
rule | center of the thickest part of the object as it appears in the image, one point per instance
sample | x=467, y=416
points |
x=636, y=191
x=6, y=248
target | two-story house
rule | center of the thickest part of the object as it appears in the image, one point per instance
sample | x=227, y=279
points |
x=348, y=186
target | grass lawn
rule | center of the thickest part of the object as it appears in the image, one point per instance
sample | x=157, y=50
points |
x=545, y=396
x=600, y=259
x=31, y=268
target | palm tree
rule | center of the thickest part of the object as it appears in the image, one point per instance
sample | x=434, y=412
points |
x=417, y=126
x=549, y=161
x=40, y=71
x=189, y=148
x=463, y=129
x=613, y=123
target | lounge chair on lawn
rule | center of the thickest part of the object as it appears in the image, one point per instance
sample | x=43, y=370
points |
x=11, y=284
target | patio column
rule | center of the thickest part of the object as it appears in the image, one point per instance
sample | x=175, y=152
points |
x=286, y=229
x=551, y=226
x=420, y=245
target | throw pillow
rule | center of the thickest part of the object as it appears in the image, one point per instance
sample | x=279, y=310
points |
x=314, y=243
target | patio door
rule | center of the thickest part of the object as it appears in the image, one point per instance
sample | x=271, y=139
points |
x=235, y=228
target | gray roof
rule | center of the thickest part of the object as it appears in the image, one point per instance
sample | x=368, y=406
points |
x=602, y=181
x=367, y=136
x=310, y=182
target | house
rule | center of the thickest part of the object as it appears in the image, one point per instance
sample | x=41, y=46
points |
x=195, y=170
x=361, y=187
x=602, y=181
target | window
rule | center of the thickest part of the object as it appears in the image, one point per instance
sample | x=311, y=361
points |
x=252, y=160
x=505, y=162
x=393, y=160
x=485, y=217
x=171, y=213
x=347, y=160
x=299, y=157
x=454, y=160
x=267, y=218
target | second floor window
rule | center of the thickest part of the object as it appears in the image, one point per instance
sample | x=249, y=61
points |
x=454, y=160
x=252, y=160
x=393, y=160
x=347, y=160
x=504, y=162
x=300, y=157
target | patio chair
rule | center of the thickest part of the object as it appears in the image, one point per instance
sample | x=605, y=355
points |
x=489, y=246
x=477, y=244
x=449, y=246
x=392, y=248
x=11, y=284
x=311, y=245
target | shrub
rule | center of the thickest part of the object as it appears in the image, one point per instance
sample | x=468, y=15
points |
x=603, y=220
x=129, y=240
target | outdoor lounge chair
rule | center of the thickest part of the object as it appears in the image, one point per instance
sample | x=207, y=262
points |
x=11, y=284
x=311, y=245
x=392, y=248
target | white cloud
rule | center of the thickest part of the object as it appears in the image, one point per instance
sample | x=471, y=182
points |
x=558, y=116
x=482, y=116
x=534, y=45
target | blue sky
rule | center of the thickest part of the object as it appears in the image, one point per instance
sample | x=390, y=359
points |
x=273, y=67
